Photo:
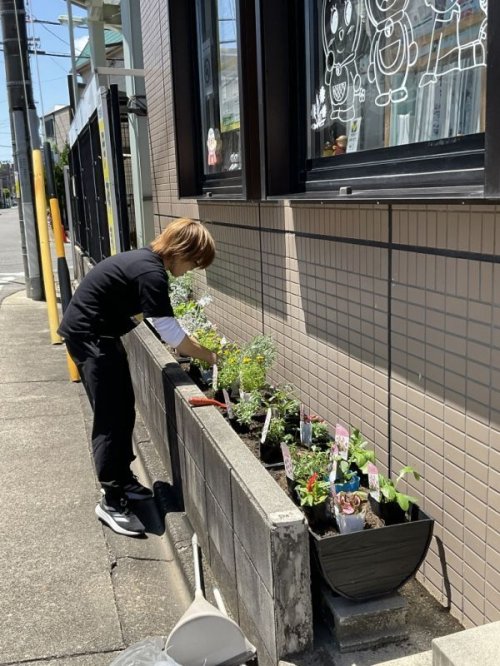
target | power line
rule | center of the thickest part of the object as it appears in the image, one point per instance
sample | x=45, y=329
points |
x=51, y=32
x=45, y=53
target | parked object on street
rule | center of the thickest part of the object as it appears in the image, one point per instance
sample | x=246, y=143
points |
x=205, y=636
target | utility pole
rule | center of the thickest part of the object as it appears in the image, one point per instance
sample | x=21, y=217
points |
x=25, y=135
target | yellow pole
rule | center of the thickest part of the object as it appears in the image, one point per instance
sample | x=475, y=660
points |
x=43, y=235
x=55, y=213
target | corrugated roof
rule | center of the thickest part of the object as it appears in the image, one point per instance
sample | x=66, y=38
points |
x=111, y=38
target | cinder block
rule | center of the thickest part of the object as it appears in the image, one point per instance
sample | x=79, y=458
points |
x=479, y=646
x=256, y=599
x=253, y=530
x=359, y=625
x=292, y=583
x=220, y=530
x=218, y=477
x=195, y=499
x=225, y=580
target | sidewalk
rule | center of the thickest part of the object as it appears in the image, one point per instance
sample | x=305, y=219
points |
x=72, y=592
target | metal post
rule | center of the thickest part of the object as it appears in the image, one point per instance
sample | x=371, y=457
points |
x=43, y=232
x=20, y=97
x=107, y=170
x=139, y=139
x=69, y=8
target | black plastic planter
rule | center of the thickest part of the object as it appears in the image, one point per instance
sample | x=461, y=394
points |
x=373, y=562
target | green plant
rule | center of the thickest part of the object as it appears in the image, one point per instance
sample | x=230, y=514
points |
x=358, y=453
x=181, y=289
x=209, y=338
x=252, y=374
x=345, y=472
x=276, y=433
x=261, y=348
x=282, y=401
x=229, y=358
x=245, y=410
x=306, y=463
x=313, y=490
x=320, y=434
x=390, y=493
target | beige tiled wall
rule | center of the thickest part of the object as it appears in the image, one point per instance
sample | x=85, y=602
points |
x=399, y=340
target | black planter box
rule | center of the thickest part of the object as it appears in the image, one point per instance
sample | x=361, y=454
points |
x=373, y=562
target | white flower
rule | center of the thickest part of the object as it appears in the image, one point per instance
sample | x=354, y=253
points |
x=204, y=301
x=322, y=94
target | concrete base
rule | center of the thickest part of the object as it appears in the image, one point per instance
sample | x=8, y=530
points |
x=474, y=647
x=362, y=625
x=420, y=659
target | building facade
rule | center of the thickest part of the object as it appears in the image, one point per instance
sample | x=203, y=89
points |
x=344, y=158
x=56, y=124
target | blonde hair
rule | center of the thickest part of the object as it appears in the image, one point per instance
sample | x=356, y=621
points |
x=186, y=239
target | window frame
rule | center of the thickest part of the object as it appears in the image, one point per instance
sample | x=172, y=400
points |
x=458, y=168
x=192, y=181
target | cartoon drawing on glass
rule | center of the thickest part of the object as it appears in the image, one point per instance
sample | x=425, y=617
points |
x=449, y=53
x=342, y=28
x=319, y=110
x=393, y=50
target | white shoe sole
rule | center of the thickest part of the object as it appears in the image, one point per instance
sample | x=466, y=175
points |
x=106, y=518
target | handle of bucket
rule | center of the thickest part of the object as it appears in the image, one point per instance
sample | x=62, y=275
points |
x=219, y=601
x=196, y=561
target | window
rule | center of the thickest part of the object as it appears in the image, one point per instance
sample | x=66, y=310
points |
x=396, y=94
x=219, y=86
x=394, y=72
x=380, y=99
x=213, y=48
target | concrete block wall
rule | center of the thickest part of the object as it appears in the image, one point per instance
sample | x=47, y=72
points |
x=386, y=317
x=255, y=539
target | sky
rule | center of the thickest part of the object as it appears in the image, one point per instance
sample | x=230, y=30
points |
x=53, y=89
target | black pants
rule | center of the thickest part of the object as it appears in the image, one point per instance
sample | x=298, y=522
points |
x=102, y=363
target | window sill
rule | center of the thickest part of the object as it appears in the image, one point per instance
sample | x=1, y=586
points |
x=465, y=194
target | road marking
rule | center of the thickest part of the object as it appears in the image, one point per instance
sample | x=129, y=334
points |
x=7, y=278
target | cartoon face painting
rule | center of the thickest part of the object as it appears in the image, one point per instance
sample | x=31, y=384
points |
x=393, y=50
x=342, y=29
x=381, y=11
x=457, y=56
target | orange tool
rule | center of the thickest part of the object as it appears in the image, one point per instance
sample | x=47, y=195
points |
x=204, y=402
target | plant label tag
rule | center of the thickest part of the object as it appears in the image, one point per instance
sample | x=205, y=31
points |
x=229, y=406
x=373, y=482
x=245, y=396
x=215, y=376
x=287, y=459
x=267, y=422
x=342, y=441
x=305, y=433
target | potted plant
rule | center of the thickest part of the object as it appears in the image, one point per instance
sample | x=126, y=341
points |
x=229, y=360
x=320, y=433
x=270, y=452
x=388, y=502
x=349, y=510
x=346, y=479
x=245, y=410
x=360, y=455
x=313, y=494
x=282, y=402
x=209, y=338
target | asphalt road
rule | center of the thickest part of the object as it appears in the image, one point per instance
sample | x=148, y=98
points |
x=11, y=259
